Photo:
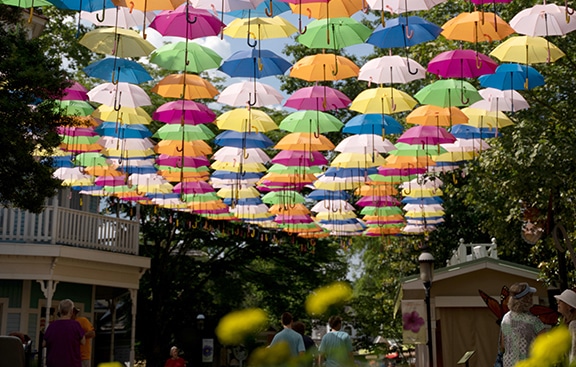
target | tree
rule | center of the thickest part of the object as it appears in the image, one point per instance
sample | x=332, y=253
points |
x=29, y=79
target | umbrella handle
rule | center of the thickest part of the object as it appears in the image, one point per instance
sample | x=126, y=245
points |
x=270, y=12
x=478, y=62
x=409, y=32
x=465, y=100
x=250, y=103
x=412, y=72
x=117, y=104
x=253, y=45
x=365, y=8
x=103, y=15
x=335, y=71
x=569, y=11
x=244, y=154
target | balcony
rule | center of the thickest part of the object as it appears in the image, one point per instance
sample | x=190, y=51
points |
x=69, y=227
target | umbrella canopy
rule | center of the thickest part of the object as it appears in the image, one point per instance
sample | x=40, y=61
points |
x=254, y=93
x=365, y=143
x=320, y=98
x=374, y=123
x=483, y=118
x=391, y=69
x=186, y=112
x=436, y=116
x=244, y=119
x=404, y=32
x=114, y=69
x=118, y=16
x=119, y=94
x=117, y=42
x=237, y=139
x=403, y=6
x=544, y=20
x=75, y=107
x=185, y=56
x=304, y=141
x=310, y=121
x=87, y=5
x=184, y=132
x=265, y=8
x=188, y=149
x=326, y=9
x=252, y=155
x=448, y=93
x=463, y=131
x=335, y=33
x=123, y=131
x=461, y=64
x=383, y=100
x=187, y=22
x=124, y=115
x=527, y=50
x=254, y=64
x=300, y=158
x=357, y=160
x=477, y=26
x=500, y=100
x=187, y=86
x=259, y=28
x=427, y=135
x=323, y=67
x=513, y=76
x=225, y=6
x=74, y=91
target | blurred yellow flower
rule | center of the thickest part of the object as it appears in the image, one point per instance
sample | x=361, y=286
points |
x=318, y=302
x=552, y=347
x=273, y=356
x=236, y=326
x=110, y=364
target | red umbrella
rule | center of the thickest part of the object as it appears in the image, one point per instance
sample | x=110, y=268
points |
x=317, y=98
x=426, y=135
x=461, y=64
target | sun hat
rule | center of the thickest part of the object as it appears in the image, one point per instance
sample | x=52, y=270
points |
x=568, y=297
x=526, y=290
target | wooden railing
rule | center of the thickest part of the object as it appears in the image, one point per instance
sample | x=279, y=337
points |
x=62, y=226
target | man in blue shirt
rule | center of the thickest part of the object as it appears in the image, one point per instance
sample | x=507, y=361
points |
x=336, y=346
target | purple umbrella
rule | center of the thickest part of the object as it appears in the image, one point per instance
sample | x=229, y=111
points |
x=300, y=158
x=384, y=171
x=426, y=135
x=182, y=111
x=317, y=98
x=378, y=201
x=293, y=219
x=74, y=92
x=461, y=64
x=193, y=187
x=188, y=22
x=177, y=161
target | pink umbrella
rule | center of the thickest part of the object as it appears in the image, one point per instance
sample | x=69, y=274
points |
x=76, y=91
x=183, y=111
x=177, y=161
x=461, y=64
x=400, y=171
x=76, y=131
x=300, y=158
x=317, y=98
x=188, y=22
x=378, y=201
x=193, y=187
x=426, y=135
x=287, y=218
x=110, y=181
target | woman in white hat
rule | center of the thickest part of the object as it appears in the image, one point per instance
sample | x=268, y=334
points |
x=567, y=308
x=519, y=327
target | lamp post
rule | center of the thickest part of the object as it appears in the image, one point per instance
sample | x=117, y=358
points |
x=426, y=261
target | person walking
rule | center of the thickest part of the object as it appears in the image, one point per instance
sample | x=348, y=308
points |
x=175, y=360
x=89, y=333
x=519, y=327
x=63, y=338
x=567, y=308
x=309, y=344
x=289, y=337
x=336, y=346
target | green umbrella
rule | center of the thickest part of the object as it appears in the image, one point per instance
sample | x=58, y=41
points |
x=448, y=93
x=188, y=56
x=209, y=196
x=283, y=197
x=417, y=150
x=383, y=210
x=310, y=122
x=26, y=3
x=170, y=169
x=75, y=107
x=67, y=139
x=184, y=132
x=90, y=159
x=336, y=33
x=280, y=168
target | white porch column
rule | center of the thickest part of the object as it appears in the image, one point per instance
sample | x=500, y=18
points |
x=48, y=290
x=134, y=299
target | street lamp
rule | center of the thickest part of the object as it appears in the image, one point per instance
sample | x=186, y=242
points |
x=426, y=261
x=200, y=321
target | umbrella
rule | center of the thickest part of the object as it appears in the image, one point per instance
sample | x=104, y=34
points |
x=391, y=69
x=187, y=86
x=513, y=76
x=75, y=91
x=365, y=143
x=334, y=205
x=374, y=123
x=266, y=8
x=321, y=98
x=300, y=158
x=184, y=132
x=189, y=149
x=187, y=22
x=476, y=27
x=326, y=9
x=448, y=93
x=335, y=33
x=254, y=64
x=124, y=115
x=310, y=121
x=185, y=56
x=384, y=100
x=182, y=111
x=500, y=100
x=237, y=139
x=243, y=93
x=113, y=69
x=244, y=119
x=117, y=42
x=323, y=67
x=118, y=16
x=403, y=6
x=483, y=118
x=527, y=50
x=259, y=28
x=75, y=107
x=252, y=155
x=426, y=135
x=73, y=176
x=175, y=161
x=119, y=94
x=436, y=116
x=122, y=131
x=464, y=131
x=87, y=5
x=404, y=32
x=304, y=141
x=357, y=160
x=544, y=20
x=461, y=64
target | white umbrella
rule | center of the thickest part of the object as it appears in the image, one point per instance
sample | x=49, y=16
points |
x=364, y=144
x=500, y=100
x=391, y=69
x=145, y=179
x=423, y=207
x=332, y=206
x=73, y=176
x=466, y=145
x=544, y=20
x=110, y=142
x=118, y=16
x=119, y=94
x=219, y=183
x=250, y=155
x=242, y=210
x=402, y=6
x=412, y=228
x=256, y=93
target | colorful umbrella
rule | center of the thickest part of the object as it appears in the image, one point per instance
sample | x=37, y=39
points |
x=320, y=98
x=75, y=91
x=187, y=22
x=119, y=94
x=374, y=123
x=254, y=64
x=230, y=138
x=500, y=100
x=118, y=16
x=477, y=26
x=426, y=135
x=544, y=20
x=124, y=115
x=326, y=9
x=391, y=69
x=185, y=56
x=300, y=158
x=113, y=69
x=461, y=64
x=404, y=32
x=117, y=42
x=365, y=143
x=182, y=111
x=483, y=118
x=448, y=93
x=304, y=141
x=335, y=33
x=122, y=131
x=230, y=154
x=187, y=86
x=184, y=132
x=259, y=28
x=323, y=67
x=436, y=116
x=310, y=121
x=247, y=93
x=189, y=149
x=384, y=100
x=244, y=119
x=513, y=76
x=527, y=50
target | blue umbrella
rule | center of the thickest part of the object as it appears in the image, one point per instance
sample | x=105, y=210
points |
x=372, y=124
x=246, y=201
x=139, y=169
x=133, y=131
x=229, y=175
x=341, y=221
x=463, y=131
x=404, y=32
x=423, y=201
x=265, y=9
x=254, y=64
x=230, y=138
x=350, y=172
x=63, y=161
x=86, y=5
x=114, y=69
x=513, y=76
x=328, y=195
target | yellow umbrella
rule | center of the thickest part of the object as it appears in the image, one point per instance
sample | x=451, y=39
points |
x=337, y=185
x=304, y=141
x=455, y=156
x=527, y=50
x=432, y=115
x=376, y=190
x=103, y=171
x=329, y=9
x=477, y=26
x=482, y=118
x=117, y=41
x=187, y=86
x=238, y=193
x=237, y=167
x=382, y=100
x=322, y=67
x=148, y=5
x=246, y=119
x=424, y=214
x=357, y=160
x=259, y=28
x=194, y=148
x=292, y=209
x=421, y=193
x=177, y=175
x=335, y=216
x=123, y=115
x=289, y=177
x=207, y=205
x=124, y=153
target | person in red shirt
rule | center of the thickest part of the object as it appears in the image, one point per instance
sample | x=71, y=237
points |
x=175, y=360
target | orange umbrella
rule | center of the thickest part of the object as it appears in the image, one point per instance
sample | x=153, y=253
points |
x=304, y=141
x=476, y=27
x=192, y=148
x=314, y=235
x=187, y=86
x=322, y=67
x=396, y=161
x=376, y=190
x=207, y=205
x=436, y=116
x=103, y=171
x=383, y=218
x=178, y=175
x=376, y=231
x=330, y=9
x=291, y=209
